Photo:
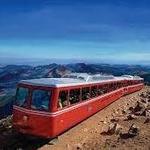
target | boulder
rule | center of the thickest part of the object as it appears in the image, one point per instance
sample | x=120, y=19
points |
x=147, y=120
x=112, y=128
x=147, y=113
x=79, y=146
x=129, y=117
x=138, y=107
x=132, y=132
x=114, y=120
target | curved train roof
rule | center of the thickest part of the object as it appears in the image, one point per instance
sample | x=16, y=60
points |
x=77, y=79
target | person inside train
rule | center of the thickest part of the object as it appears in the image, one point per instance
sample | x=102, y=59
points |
x=100, y=91
x=63, y=99
x=74, y=96
x=94, y=92
x=60, y=103
x=86, y=93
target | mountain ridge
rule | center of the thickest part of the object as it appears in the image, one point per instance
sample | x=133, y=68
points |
x=11, y=74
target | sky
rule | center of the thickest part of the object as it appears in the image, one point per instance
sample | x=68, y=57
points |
x=110, y=31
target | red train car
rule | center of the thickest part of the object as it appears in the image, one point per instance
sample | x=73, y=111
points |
x=47, y=107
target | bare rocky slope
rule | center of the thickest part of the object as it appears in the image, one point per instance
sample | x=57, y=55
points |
x=123, y=125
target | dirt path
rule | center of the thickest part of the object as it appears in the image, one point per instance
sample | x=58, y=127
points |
x=87, y=135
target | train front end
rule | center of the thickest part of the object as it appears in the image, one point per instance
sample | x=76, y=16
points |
x=31, y=111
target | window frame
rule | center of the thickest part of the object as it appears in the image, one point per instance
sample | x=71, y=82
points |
x=89, y=93
x=31, y=88
x=61, y=90
x=80, y=100
x=28, y=96
x=50, y=98
x=95, y=85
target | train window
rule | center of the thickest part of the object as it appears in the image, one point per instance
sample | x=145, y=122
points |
x=99, y=91
x=120, y=84
x=125, y=84
x=40, y=100
x=63, y=99
x=105, y=88
x=129, y=83
x=93, y=91
x=85, y=93
x=115, y=86
x=110, y=87
x=21, y=96
x=74, y=96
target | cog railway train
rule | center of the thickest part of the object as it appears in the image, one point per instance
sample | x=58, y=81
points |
x=47, y=107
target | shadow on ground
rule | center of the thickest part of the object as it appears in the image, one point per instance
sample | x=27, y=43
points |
x=11, y=140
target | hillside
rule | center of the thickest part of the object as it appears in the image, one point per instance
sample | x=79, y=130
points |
x=10, y=75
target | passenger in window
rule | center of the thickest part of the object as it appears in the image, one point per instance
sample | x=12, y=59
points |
x=63, y=99
x=64, y=103
x=74, y=96
x=101, y=90
x=105, y=89
x=60, y=104
x=98, y=92
x=94, y=91
x=85, y=93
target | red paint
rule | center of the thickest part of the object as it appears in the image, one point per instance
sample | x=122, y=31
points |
x=51, y=124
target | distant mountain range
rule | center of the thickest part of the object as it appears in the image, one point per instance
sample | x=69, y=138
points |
x=45, y=61
x=11, y=74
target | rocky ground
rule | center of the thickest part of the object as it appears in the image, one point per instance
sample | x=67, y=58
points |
x=123, y=125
